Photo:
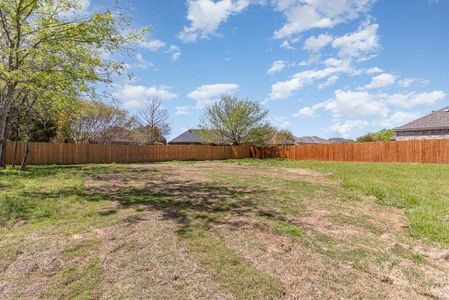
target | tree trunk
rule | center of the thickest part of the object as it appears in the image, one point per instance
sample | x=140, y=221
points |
x=14, y=157
x=16, y=143
x=3, y=154
x=4, y=139
x=24, y=165
x=4, y=124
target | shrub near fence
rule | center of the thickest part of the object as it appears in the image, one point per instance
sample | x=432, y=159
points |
x=419, y=151
x=66, y=154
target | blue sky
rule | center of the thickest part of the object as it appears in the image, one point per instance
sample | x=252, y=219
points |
x=328, y=68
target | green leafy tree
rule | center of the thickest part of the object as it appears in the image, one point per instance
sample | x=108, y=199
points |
x=283, y=137
x=233, y=121
x=380, y=136
x=48, y=45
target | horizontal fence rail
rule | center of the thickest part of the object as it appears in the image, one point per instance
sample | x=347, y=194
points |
x=66, y=154
x=416, y=151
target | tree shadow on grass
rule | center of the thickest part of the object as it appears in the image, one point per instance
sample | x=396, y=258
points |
x=41, y=172
x=195, y=206
x=30, y=195
x=192, y=204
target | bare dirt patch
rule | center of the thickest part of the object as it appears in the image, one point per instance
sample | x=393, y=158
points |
x=306, y=175
x=145, y=258
x=308, y=274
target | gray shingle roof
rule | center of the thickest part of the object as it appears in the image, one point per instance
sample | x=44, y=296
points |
x=339, y=141
x=191, y=136
x=436, y=120
x=311, y=140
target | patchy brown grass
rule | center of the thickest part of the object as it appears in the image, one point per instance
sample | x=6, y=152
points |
x=214, y=230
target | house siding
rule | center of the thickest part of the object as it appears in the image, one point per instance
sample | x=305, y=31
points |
x=422, y=135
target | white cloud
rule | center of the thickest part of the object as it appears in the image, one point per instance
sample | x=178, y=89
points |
x=342, y=129
x=374, y=70
x=330, y=81
x=281, y=122
x=284, y=89
x=381, y=81
x=182, y=110
x=351, y=103
x=309, y=111
x=336, y=63
x=361, y=103
x=207, y=94
x=175, y=52
x=413, y=99
x=359, y=43
x=304, y=112
x=286, y=45
x=153, y=45
x=143, y=63
x=348, y=103
x=399, y=118
x=407, y=82
x=303, y=15
x=316, y=43
x=206, y=16
x=134, y=96
x=277, y=66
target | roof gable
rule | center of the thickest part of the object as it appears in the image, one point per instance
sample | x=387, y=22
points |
x=310, y=140
x=436, y=120
x=191, y=136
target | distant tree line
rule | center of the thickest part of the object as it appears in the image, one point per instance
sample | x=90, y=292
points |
x=101, y=123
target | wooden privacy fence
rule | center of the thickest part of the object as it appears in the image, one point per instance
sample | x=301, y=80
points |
x=419, y=151
x=50, y=153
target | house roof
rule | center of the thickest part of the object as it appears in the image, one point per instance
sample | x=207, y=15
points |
x=311, y=140
x=191, y=136
x=436, y=120
x=340, y=141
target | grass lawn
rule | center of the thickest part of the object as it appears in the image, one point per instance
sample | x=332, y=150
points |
x=245, y=229
x=422, y=190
